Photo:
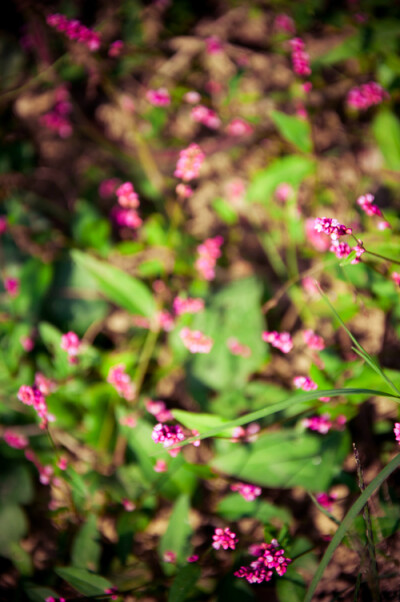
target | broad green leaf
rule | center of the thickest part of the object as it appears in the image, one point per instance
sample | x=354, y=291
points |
x=294, y=458
x=13, y=526
x=35, y=280
x=295, y=130
x=84, y=582
x=200, y=422
x=86, y=549
x=386, y=129
x=184, y=583
x=39, y=594
x=175, y=538
x=292, y=169
x=351, y=47
x=119, y=287
x=89, y=228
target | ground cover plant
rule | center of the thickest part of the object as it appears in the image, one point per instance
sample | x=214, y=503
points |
x=199, y=305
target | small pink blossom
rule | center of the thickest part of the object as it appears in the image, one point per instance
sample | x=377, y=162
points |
x=108, y=187
x=396, y=278
x=12, y=286
x=213, y=45
x=383, y=225
x=31, y=396
x=305, y=383
x=300, y=58
x=128, y=505
x=129, y=420
x=189, y=162
x=158, y=98
x=141, y=322
x=321, y=424
x=239, y=127
x=282, y=341
x=160, y=466
x=225, y=539
x=313, y=340
x=45, y=385
x=167, y=435
x=359, y=250
x=115, y=48
x=58, y=119
x=247, y=435
x=192, y=97
x=127, y=197
x=121, y=382
x=316, y=239
x=159, y=410
x=45, y=472
x=187, y=306
x=71, y=344
x=208, y=253
x=184, y=191
x=113, y=591
x=248, y=492
x=14, y=439
x=309, y=286
x=166, y=320
x=270, y=559
x=285, y=24
x=396, y=430
x=283, y=192
x=169, y=556
x=366, y=203
x=341, y=249
x=307, y=87
x=3, y=224
x=52, y=599
x=365, y=96
x=62, y=463
x=196, y=341
x=74, y=30
x=193, y=558
x=206, y=116
x=235, y=190
x=27, y=343
x=331, y=227
x=326, y=500
x=237, y=348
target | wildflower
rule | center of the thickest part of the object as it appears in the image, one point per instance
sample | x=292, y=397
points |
x=58, y=119
x=158, y=98
x=239, y=127
x=71, y=344
x=248, y=492
x=300, y=58
x=166, y=320
x=3, y=224
x=108, y=187
x=127, y=197
x=128, y=420
x=396, y=278
x=341, y=249
x=237, y=348
x=383, y=225
x=359, y=250
x=189, y=162
x=187, y=306
x=366, y=96
x=128, y=505
x=74, y=30
x=235, y=190
x=27, y=343
x=45, y=385
x=31, y=396
x=301, y=111
x=285, y=24
x=305, y=383
x=321, y=424
x=160, y=466
x=283, y=192
x=192, y=97
x=366, y=203
x=184, y=191
x=326, y=500
x=205, y=116
x=397, y=431
x=121, y=382
x=45, y=472
x=113, y=591
x=52, y=599
x=282, y=341
x=167, y=435
x=208, y=253
x=316, y=239
x=213, y=45
x=159, y=410
x=247, y=435
x=193, y=558
x=141, y=322
x=313, y=341
x=270, y=559
x=196, y=341
x=309, y=286
x=14, y=439
x=169, y=556
x=307, y=87
x=115, y=48
x=12, y=286
x=331, y=226
x=224, y=538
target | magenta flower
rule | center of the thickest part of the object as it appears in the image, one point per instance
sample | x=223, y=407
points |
x=248, y=434
x=283, y=192
x=285, y=24
x=160, y=466
x=205, y=116
x=359, y=252
x=3, y=224
x=366, y=96
x=159, y=410
x=58, y=119
x=115, y=48
x=158, y=98
x=166, y=320
x=12, y=286
x=184, y=191
x=127, y=197
x=225, y=539
x=396, y=278
x=31, y=396
x=239, y=127
x=129, y=420
x=193, y=558
x=213, y=45
x=270, y=559
x=196, y=341
x=169, y=556
x=121, y=382
x=187, y=306
x=321, y=424
x=14, y=439
x=313, y=341
x=316, y=239
x=305, y=383
x=341, y=249
x=366, y=203
x=189, y=162
x=71, y=344
x=208, y=253
x=282, y=341
x=331, y=226
x=397, y=431
x=45, y=385
x=326, y=500
x=74, y=30
x=300, y=58
x=167, y=435
x=192, y=97
x=237, y=348
x=248, y=492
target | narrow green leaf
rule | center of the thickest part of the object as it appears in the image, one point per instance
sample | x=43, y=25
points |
x=184, y=583
x=347, y=521
x=176, y=536
x=117, y=286
x=199, y=422
x=386, y=129
x=295, y=130
x=84, y=582
x=85, y=549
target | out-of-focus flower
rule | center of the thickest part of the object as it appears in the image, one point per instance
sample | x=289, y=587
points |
x=158, y=98
x=189, y=162
x=305, y=383
x=12, y=286
x=309, y=286
x=184, y=191
x=159, y=410
x=365, y=96
x=283, y=192
x=237, y=348
x=366, y=203
x=225, y=539
x=193, y=558
x=74, y=30
x=213, y=45
x=71, y=344
x=115, y=48
x=126, y=196
x=121, y=381
x=300, y=58
x=160, y=466
x=307, y=87
x=196, y=341
x=321, y=424
x=331, y=227
x=280, y=340
x=108, y=187
x=31, y=396
x=27, y=343
x=396, y=278
x=58, y=119
x=204, y=115
x=383, y=225
x=169, y=556
x=248, y=492
x=113, y=591
x=285, y=24
x=208, y=253
x=247, y=435
x=313, y=340
x=187, y=306
x=128, y=505
x=166, y=320
x=192, y=97
x=14, y=439
x=62, y=463
x=316, y=239
x=341, y=249
x=45, y=385
x=239, y=127
x=3, y=224
x=326, y=500
x=167, y=435
x=396, y=430
x=129, y=420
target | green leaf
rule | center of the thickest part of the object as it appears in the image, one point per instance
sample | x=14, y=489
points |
x=347, y=260
x=295, y=130
x=351, y=47
x=184, y=583
x=16, y=485
x=85, y=549
x=235, y=507
x=35, y=280
x=175, y=538
x=347, y=521
x=117, y=286
x=84, y=582
x=292, y=169
x=386, y=129
x=13, y=526
x=200, y=422
x=225, y=211
x=39, y=594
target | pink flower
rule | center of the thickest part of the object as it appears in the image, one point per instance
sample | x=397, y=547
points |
x=239, y=127
x=192, y=97
x=309, y=286
x=366, y=95
x=397, y=431
x=283, y=192
x=189, y=162
x=31, y=396
x=196, y=341
x=316, y=239
x=359, y=252
x=383, y=225
x=113, y=591
x=115, y=48
x=213, y=45
x=160, y=466
x=108, y=187
x=12, y=286
x=284, y=23
x=169, y=556
x=128, y=420
x=396, y=278
x=313, y=341
x=167, y=435
x=121, y=382
x=248, y=492
x=331, y=226
x=193, y=558
x=248, y=435
x=141, y=322
x=326, y=500
x=127, y=197
x=128, y=505
x=237, y=348
x=3, y=224
x=159, y=410
x=300, y=58
x=58, y=119
x=158, y=98
x=321, y=424
x=366, y=203
x=282, y=341
x=305, y=383
x=14, y=439
x=307, y=87
x=70, y=343
x=341, y=249
x=27, y=343
x=270, y=558
x=235, y=190
x=208, y=253
x=45, y=385
x=184, y=191
x=204, y=115
x=166, y=320
x=187, y=306
x=62, y=463
x=74, y=30
x=225, y=539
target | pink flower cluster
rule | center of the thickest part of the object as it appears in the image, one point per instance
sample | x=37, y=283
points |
x=396, y=278
x=366, y=95
x=239, y=127
x=283, y=192
x=187, y=306
x=71, y=344
x=14, y=439
x=74, y=30
x=44, y=384
x=270, y=558
x=128, y=201
x=331, y=227
x=166, y=320
x=397, y=431
x=31, y=396
x=45, y=472
x=237, y=348
x=115, y=48
x=305, y=383
x=284, y=23
x=300, y=58
x=158, y=98
x=53, y=599
x=159, y=410
x=323, y=424
x=192, y=97
x=206, y=116
x=313, y=341
x=121, y=381
x=213, y=45
x=248, y=492
x=224, y=538
x=184, y=191
x=247, y=435
x=208, y=253
x=280, y=340
x=58, y=120
x=189, y=162
x=366, y=203
x=168, y=436
x=196, y=341
x=12, y=286
x=326, y=500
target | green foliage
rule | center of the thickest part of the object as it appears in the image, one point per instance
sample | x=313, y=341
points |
x=295, y=130
x=291, y=169
x=84, y=582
